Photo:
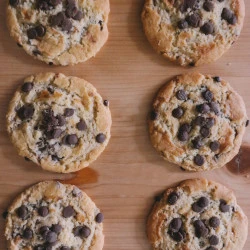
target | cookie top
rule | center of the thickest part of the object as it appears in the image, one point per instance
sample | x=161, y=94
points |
x=192, y=32
x=59, y=32
x=197, y=122
x=50, y=216
x=197, y=214
x=59, y=122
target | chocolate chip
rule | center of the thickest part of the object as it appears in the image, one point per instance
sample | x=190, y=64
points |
x=153, y=115
x=196, y=208
x=214, y=222
x=178, y=112
x=22, y=212
x=178, y=237
x=44, y=230
x=81, y=125
x=188, y=4
x=183, y=136
x=56, y=133
x=39, y=247
x=99, y=218
x=71, y=139
x=100, y=138
x=36, y=52
x=215, y=108
x=43, y=211
x=208, y=6
x=247, y=123
x=205, y=132
x=210, y=122
x=43, y=5
x=224, y=208
x=19, y=45
x=76, y=231
x=181, y=95
x=200, y=229
x=64, y=248
x=208, y=95
x=68, y=112
x=85, y=232
x=192, y=64
x=51, y=63
x=66, y=25
x=106, y=103
x=71, y=11
x=214, y=146
x=182, y=24
x=78, y=16
x=197, y=142
x=54, y=3
x=68, y=212
x=199, y=160
x=61, y=120
x=56, y=228
x=232, y=20
x=203, y=108
x=40, y=30
x=185, y=127
x=203, y=202
x=57, y=19
x=194, y=20
x=13, y=3
x=31, y=33
x=207, y=28
x=27, y=87
x=217, y=79
x=228, y=16
x=211, y=248
x=5, y=214
x=27, y=234
x=199, y=121
x=51, y=237
x=213, y=240
x=172, y=198
x=175, y=224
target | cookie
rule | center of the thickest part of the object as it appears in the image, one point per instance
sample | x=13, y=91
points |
x=197, y=122
x=59, y=32
x=197, y=214
x=192, y=32
x=50, y=216
x=60, y=123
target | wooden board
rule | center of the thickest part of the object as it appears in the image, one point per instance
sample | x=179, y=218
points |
x=125, y=179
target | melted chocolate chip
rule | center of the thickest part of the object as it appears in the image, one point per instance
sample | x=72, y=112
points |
x=175, y=224
x=199, y=121
x=13, y=3
x=208, y=95
x=215, y=108
x=153, y=115
x=99, y=218
x=51, y=237
x=178, y=237
x=27, y=87
x=182, y=24
x=54, y=3
x=66, y=25
x=178, y=112
x=100, y=138
x=181, y=95
x=61, y=120
x=203, y=108
x=194, y=20
x=224, y=208
x=210, y=122
x=56, y=133
x=217, y=79
x=188, y=4
x=213, y=240
x=43, y=5
x=68, y=112
x=199, y=160
x=43, y=229
x=172, y=198
x=68, y=212
x=81, y=125
x=185, y=127
x=31, y=33
x=57, y=19
x=200, y=229
x=207, y=28
x=27, y=234
x=197, y=142
x=56, y=228
x=214, y=146
x=22, y=212
x=205, y=132
x=43, y=211
x=208, y=6
x=228, y=16
x=79, y=16
x=214, y=222
x=71, y=11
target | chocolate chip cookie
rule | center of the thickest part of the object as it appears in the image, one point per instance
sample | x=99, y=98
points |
x=192, y=32
x=59, y=32
x=51, y=216
x=197, y=122
x=60, y=123
x=197, y=214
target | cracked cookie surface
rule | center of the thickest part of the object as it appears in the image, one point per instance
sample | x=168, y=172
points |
x=50, y=215
x=197, y=122
x=192, y=32
x=197, y=215
x=60, y=123
x=59, y=32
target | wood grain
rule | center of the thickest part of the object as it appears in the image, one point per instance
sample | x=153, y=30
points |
x=125, y=179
